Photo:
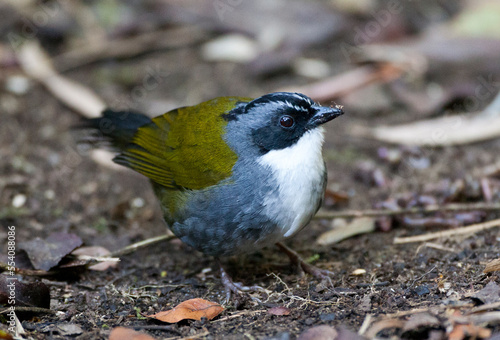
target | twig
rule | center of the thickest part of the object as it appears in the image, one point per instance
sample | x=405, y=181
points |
x=25, y=272
x=414, y=210
x=142, y=244
x=29, y=309
x=435, y=246
x=409, y=312
x=129, y=47
x=366, y=324
x=458, y=231
x=346, y=83
x=482, y=308
x=36, y=63
x=195, y=336
x=156, y=327
x=422, y=276
x=240, y=314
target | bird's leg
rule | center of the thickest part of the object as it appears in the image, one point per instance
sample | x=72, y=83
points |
x=306, y=267
x=232, y=287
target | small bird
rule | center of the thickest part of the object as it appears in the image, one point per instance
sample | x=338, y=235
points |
x=232, y=174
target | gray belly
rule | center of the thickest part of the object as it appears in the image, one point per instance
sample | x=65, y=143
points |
x=242, y=216
x=226, y=220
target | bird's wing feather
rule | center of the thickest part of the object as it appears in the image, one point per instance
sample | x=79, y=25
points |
x=184, y=148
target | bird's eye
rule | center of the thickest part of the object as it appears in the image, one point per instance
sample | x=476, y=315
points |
x=287, y=121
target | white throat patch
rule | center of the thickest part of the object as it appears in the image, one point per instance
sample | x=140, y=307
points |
x=298, y=171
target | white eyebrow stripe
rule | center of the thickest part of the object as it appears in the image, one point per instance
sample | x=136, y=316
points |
x=295, y=107
x=298, y=96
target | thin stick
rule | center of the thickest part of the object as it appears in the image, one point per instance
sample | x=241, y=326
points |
x=4, y=267
x=129, y=47
x=474, y=228
x=141, y=244
x=366, y=324
x=29, y=309
x=415, y=210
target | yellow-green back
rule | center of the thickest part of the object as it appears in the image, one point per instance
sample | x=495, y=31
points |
x=184, y=148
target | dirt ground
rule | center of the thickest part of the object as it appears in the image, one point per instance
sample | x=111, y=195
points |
x=66, y=191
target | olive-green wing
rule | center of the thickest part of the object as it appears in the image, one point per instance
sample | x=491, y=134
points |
x=184, y=148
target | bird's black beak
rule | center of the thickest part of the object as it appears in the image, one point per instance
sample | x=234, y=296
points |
x=324, y=114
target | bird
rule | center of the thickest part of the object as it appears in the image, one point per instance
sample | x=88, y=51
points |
x=232, y=174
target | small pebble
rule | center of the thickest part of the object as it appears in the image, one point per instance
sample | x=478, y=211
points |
x=309, y=321
x=233, y=47
x=358, y=272
x=138, y=202
x=50, y=194
x=19, y=200
x=18, y=85
x=312, y=68
x=422, y=290
x=327, y=317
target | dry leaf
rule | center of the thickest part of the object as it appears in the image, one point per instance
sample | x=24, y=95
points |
x=34, y=294
x=460, y=332
x=96, y=251
x=69, y=329
x=381, y=325
x=453, y=130
x=323, y=332
x=489, y=294
x=36, y=63
x=122, y=333
x=418, y=320
x=193, y=309
x=346, y=334
x=492, y=266
x=361, y=225
x=5, y=336
x=279, y=310
x=47, y=253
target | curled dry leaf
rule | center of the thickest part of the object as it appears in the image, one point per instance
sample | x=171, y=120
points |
x=96, y=252
x=279, y=310
x=383, y=324
x=361, y=225
x=492, y=266
x=122, y=333
x=193, y=309
x=451, y=130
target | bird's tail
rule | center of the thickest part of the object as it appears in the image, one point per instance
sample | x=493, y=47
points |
x=115, y=127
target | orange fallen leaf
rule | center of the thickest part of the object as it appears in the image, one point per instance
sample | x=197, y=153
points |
x=461, y=332
x=5, y=335
x=122, y=333
x=193, y=309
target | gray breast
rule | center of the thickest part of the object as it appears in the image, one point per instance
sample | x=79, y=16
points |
x=230, y=218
